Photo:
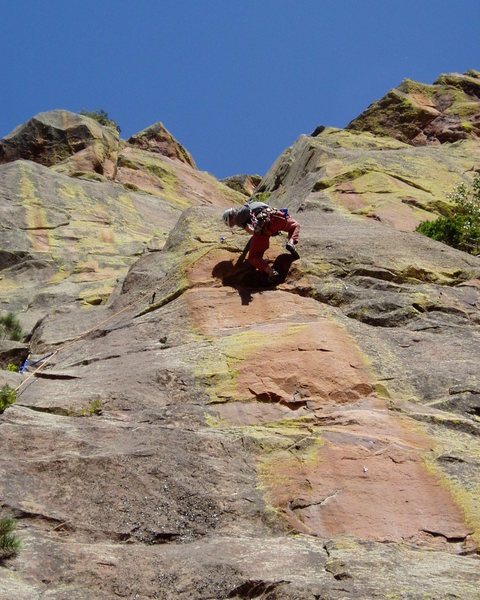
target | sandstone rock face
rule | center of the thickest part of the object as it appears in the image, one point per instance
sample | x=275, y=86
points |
x=158, y=175
x=201, y=434
x=52, y=137
x=65, y=238
x=378, y=178
x=157, y=139
x=233, y=416
x=419, y=114
x=69, y=239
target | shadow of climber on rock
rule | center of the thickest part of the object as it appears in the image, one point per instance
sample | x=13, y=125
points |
x=247, y=280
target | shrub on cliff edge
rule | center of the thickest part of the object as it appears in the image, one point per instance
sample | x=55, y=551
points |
x=102, y=117
x=460, y=229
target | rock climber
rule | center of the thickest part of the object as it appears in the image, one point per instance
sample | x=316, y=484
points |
x=262, y=221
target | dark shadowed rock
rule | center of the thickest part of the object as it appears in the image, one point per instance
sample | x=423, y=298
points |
x=13, y=353
x=245, y=184
x=318, y=130
x=157, y=139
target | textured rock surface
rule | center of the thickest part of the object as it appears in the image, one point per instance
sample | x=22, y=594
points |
x=203, y=435
x=158, y=139
x=182, y=186
x=69, y=238
x=380, y=178
x=419, y=114
x=233, y=416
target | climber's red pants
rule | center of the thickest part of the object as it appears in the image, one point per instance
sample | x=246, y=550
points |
x=261, y=241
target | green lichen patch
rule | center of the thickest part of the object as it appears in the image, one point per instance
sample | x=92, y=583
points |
x=161, y=178
x=462, y=482
x=66, y=222
x=220, y=368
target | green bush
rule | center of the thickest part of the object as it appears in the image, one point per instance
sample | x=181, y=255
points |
x=7, y=397
x=444, y=229
x=9, y=542
x=95, y=407
x=261, y=197
x=460, y=229
x=10, y=327
x=102, y=117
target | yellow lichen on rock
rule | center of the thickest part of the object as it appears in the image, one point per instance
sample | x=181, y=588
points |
x=35, y=216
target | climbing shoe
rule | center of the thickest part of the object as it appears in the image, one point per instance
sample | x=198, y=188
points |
x=273, y=278
x=293, y=251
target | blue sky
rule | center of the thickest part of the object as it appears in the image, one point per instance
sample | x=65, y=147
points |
x=235, y=81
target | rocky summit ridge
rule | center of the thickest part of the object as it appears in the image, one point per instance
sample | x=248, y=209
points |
x=184, y=430
x=420, y=114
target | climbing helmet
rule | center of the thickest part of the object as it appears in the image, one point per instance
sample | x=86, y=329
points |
x=227, y=214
